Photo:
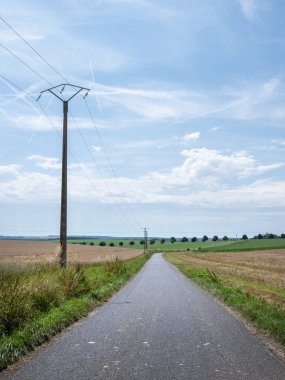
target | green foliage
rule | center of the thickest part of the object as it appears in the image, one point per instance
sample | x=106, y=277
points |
x=37, y=302
x=92, y=243
x=132, y=242
x=225, y=238
x=111, y=244
x=184, y=239
x=215, y=238
x=244, y=237
x=172, y=240
x=204, y=238
x=102, y=244
x=152, y=241
x=194, y=239
x=162, y=241
x=121, y=243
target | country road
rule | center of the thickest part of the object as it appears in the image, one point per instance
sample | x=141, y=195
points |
x=159, y=326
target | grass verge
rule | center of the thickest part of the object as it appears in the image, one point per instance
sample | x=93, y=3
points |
x=54, y=299
x=267, y=317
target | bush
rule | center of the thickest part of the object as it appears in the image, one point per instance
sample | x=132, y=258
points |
x=184, y=239
x=142, y=242
x=215, y=238
x=172, y=240
x=83, y=243
x=244, y=237
x=111, y=244
x=162, y=241
x=102, y=244
x=194, y=239
x=121, y=244
x=205, y=238
x=91, y=243
x=152, y=241
x=132, y=242
x=225, y=238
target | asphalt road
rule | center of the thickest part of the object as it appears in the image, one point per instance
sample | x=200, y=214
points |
x=159, y=326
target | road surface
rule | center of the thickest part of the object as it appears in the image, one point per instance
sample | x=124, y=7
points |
x=159, y=326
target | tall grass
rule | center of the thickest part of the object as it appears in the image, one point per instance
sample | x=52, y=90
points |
x=38, y=301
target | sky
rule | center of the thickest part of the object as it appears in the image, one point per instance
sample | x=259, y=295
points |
x=182, y=131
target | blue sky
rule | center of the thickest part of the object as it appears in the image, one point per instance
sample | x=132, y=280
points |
x=188, y=98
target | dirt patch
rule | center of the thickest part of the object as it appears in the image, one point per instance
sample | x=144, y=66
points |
x=20, y=252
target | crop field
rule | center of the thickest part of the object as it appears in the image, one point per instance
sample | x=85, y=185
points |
x=251, y=282
x=18, y=251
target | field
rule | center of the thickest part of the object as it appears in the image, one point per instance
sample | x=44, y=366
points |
x=251, y=282
x=18, y=251
x=229, y=245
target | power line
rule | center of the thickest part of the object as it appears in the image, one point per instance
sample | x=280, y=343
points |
x=109, y=160
x=58, y=73
x=26, y=64
x=59, y=135
x=95, y=163
x=27, y=43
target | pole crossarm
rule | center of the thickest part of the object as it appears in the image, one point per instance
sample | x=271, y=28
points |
x=63, y=213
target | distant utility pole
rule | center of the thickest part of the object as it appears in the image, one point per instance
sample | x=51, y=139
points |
x=145, y=239
x=63, y=213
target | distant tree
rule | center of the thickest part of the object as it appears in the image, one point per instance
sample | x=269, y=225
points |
x=91, y=243
x=205, y=238
x=255, y=237
x=271, y=236
x=194, y=239
x=83, y=243
x=172, y=239
x=132, y=242
x=282, y=236
x=152, y=241
x=102, y=244
x=225, y=238
x=215, y=238
x=184, y=239
x=162, y=241
x=259, y=236
x=111, y=244
x=121, y=244
x=141, y=242
x=244, y=237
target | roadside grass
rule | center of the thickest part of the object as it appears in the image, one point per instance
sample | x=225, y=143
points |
x=38, y=301
x=252, y=283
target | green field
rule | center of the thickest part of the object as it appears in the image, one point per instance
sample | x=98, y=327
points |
x=208, y=246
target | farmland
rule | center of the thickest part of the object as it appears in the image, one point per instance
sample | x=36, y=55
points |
x=253, y=283
x=16, y=251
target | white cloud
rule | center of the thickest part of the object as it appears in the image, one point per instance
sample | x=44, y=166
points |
x=206, y=177
x=10, y=169
x=191, y=136
x=96, y=148
x=252, y=8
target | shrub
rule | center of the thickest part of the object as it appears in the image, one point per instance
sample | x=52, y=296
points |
x=172, y=239
x=102, y=244
x=162, y=241
x=121, y=244
x=132, y=242
x=244, y=237
x=205, y=238
x=215, y=238
x=225, y=238
x=111, y=244
x=83, y=243
x=152, y=241
x=91, y=243
x=194, y=239
x=184, y=239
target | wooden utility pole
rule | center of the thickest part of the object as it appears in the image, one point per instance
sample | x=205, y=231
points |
x=63, y=212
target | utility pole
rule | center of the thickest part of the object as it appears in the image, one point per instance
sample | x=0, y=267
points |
x=63, y=211
x=145, y=239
